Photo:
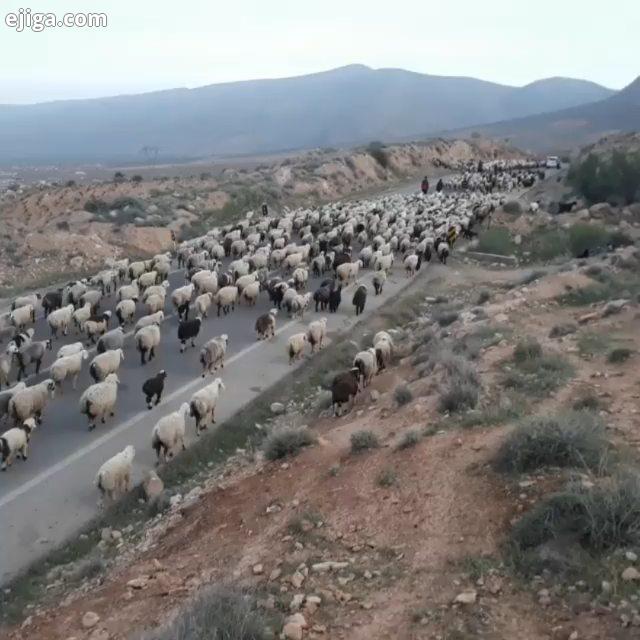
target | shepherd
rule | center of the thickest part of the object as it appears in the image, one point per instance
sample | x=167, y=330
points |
x=424, y=186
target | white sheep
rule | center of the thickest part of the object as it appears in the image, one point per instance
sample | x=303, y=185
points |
x=366, y=362
x=5, y=398
x=153, y=318
x=316, y=334
x=182, y=295
x=147, y=339
x=266, y=325
x=30, y=402
x=136, y=269
x=155, y=303
x=69, y=349
x=203, y=404
x=411, y=264
x=156, y=289
x=32, y=298
x=168, y=433
x=295, y=346
x=15, y=442
x=99, y=399
x=226, y=298
x=299, y=304
x=213, y=353
x=300, y=278
x=22, y=316
x=126, y=311
x=60, y=319
x=382, y=262
x=105, y=363
x=114, y=476
x=128, y=292
x=99, y=327
x=245, y=281
x=147, y=279
x=81, y=315
x=348, y=271
x=203, y=303
x=6, y=360
x=68, y=367
x=250, y=293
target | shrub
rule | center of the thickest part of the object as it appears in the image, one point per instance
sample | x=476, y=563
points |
x=538, y=376
x=496, y=240
x=387, y=478
x=561, y=330
x=286, y=441
x=587, y=238
x=587, y=401
x=597, y=519
x=458, y=396
x=618, y=355
x=512, y=207
x=217, y=613
x=483, y=296
x=376, y=151
x=402, y=394
x=571, y=439
x=137, y=178
x=118, y=176
x=445, y=317
x=527, y=349
x=409, y=439
x=363, y=440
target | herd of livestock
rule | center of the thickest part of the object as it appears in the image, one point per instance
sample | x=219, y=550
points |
x=262, y=255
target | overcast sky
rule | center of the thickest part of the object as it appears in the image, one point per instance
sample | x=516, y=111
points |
x=154, y=44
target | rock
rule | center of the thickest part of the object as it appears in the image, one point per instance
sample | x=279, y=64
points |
x=630, y=574
x=375, y=395
x=466, y=597
x=258, y=569
x=501, y=318
x=99, y=634
x=138, y=583
x=330, y=565
x=296, y=602
x=605, y=586
x=105, y=535
x=292, y=631
x=587, y=317
x=613, y=307
x=601, y=210
x=517, y=240
x=277, y=408
x=631, y=556
x=275, y=574
x=561, y=330
x=77, y=262
x=90, y=619
x=152, y=486
x=493, y=584
x=297, y=580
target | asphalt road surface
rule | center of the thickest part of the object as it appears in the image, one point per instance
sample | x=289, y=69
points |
x=48, y=497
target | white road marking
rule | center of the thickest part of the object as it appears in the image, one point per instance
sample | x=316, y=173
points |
x=59, y=466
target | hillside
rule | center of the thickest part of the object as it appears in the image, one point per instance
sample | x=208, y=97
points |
x=349, y=105
x=568, y=128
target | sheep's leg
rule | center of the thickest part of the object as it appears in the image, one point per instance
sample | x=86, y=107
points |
x=24, y=452
x=38, y=365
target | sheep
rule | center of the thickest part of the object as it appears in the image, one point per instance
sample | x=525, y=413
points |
x=366, y=361
x=412, y=264
x=335, y=298
x=266, y=325
x=75, y=292
x=147, y=339
x=51, y=301
x=128, y=292
x=202, y=303
x=182, y=296
x=213, y=353
x=5, y=368
x=203, y=404
x=156, y=290
x=33, y=299
x=360, y=299
x=155, y=303
x=136, y=269
x=15, y=442
x=348, y=271
x=30, y=402
x=295, y=347
x=188, y=330
x=168, y=433
x=250, y=293
x=68, y=366
x=22, y=339
x=379, y=278
x=32, y=352
x=60, y=319
x=147, y=279
x=300, y=277
x=225, y=298
x=245, y=281
x=5, y=396
x=21, y=316
x=97, y=326
x=154, y=318
x=100, y=399
x=81, y=315
x=69, y=349
x=316, y=334
x=299, y=304
x=154, y=387
x=105, y=363
x=126, y=311
x=93, y=297
x=344, y=388
x=443, y=251
x=114, y=476
x=113, y=339
x=534, y=207
x=381, y=336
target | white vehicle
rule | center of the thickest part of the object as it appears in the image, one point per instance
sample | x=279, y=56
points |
x=553, y=162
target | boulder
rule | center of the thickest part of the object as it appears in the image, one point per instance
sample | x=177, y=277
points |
x=613, y=307
x=90, y=619
x=466, y=597
x=277, y=408
x=630, y=574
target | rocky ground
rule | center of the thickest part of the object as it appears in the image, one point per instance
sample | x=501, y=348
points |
x=396, y=523
x=53, y=232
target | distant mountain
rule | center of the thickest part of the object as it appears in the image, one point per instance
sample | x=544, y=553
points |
x=566, y=129
x=349, y=105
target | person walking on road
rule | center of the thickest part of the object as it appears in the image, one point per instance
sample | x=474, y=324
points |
x=424, y=186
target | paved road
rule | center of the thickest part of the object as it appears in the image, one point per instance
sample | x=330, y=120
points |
x=48, y=497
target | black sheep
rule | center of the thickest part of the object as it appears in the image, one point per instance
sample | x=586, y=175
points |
x=565, y=207
x=321, y=298
x=183, y=311
x=153, y=387
x=360, y=299
x=343, y=388
x=51, y=301
x=335, y=298
x=188, y=330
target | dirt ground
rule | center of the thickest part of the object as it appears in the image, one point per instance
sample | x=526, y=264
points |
x=421, y=554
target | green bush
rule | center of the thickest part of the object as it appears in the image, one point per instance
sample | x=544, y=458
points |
x=496, y=240
x=587, y=238
x=612, y=179
x=363, y=441
x=402, y=394
x=217, y=613
x=538, y=376
x=409, y=439
x=618, y=355
x=376, y=151
x=286, y=441
x=527, y=349
x=458, y=396
x=571, y=439
x=512, y=207
x=387, y=478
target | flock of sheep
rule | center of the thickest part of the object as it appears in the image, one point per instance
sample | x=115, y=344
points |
x=271, y=256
